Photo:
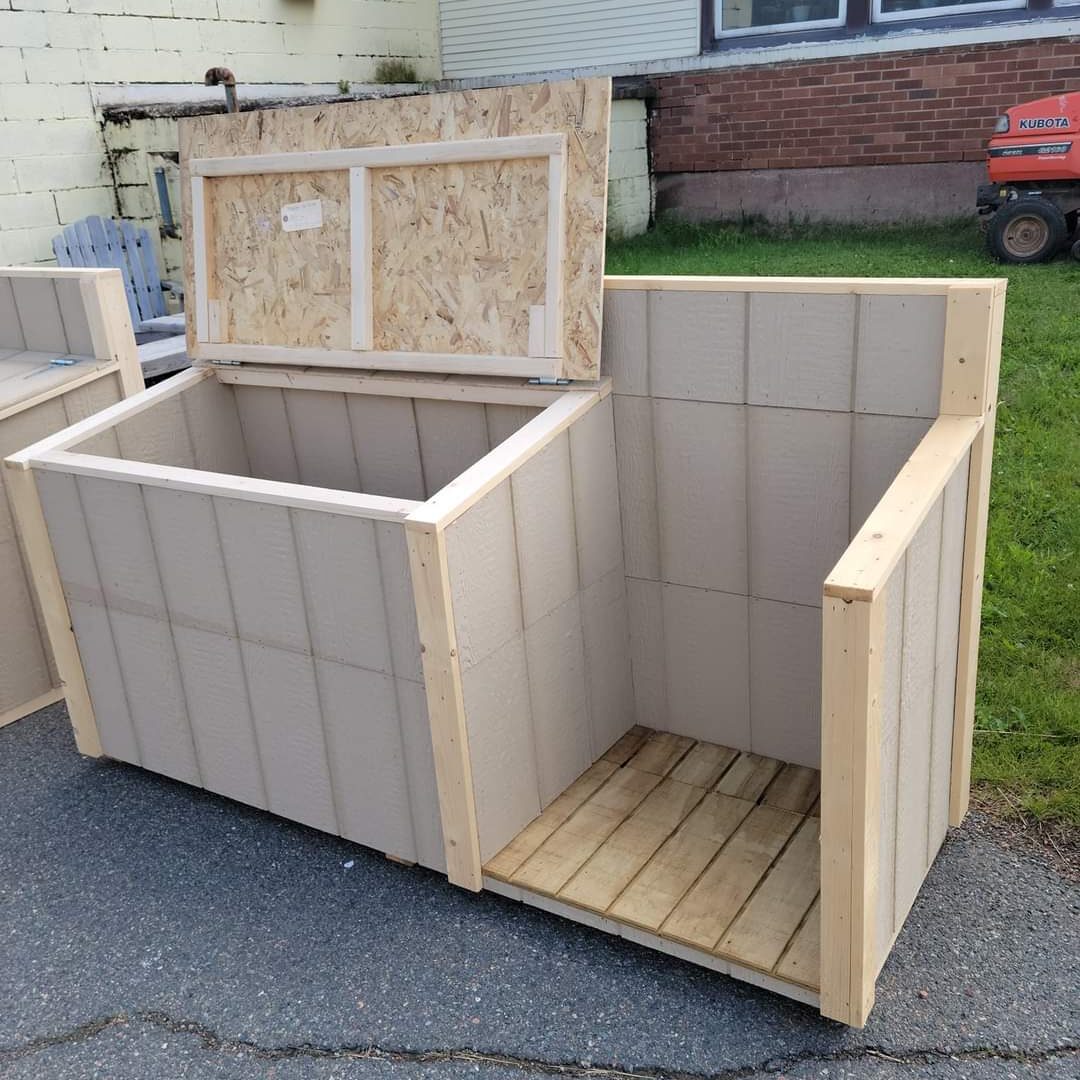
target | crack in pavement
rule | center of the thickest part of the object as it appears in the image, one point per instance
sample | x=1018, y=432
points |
x=216, y=1043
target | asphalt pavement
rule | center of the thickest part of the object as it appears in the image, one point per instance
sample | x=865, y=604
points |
x=150, y=930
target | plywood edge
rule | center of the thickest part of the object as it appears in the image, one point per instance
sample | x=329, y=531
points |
x=230, y=486
x=865, y=566
x=897, y=286
x=50, y=697
x=97, y=371
x=439, y=387
x=448, y=504
x=26, y=505
x=108, y=418
x=445, y=702
x=853, y=645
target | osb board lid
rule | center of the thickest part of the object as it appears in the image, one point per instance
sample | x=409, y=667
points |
x=27, y=377
x=427, y=257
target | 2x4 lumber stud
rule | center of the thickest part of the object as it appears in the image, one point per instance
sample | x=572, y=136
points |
x=978, y=504
x=853, y=640
x=446, y=705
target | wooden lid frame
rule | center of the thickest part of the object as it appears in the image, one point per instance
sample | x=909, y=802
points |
x=540, y=295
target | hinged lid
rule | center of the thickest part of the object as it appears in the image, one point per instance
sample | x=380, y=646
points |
x=458, y=233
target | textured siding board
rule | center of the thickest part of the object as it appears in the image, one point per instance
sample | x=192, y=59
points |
x=625, y=352
x=11, y=334
x=453, y=436
x=605, y=620
x=706, y=639
x=880, y=447
x=900, y=350
x=367, y=763
x=701, y=493
x=785, y=682
x=387, y=446
x=648, y=651
x=799, y=464
x=319, y=424
x=636, y=462
x=398, y=598
x=80, y=341
x=916, y=711
x=697, y=343
x=213, y=422
x=802, y=350
x=82, y=589
x=339, y=566
x=24, y=670
x=39, y=314
x=596, y=493
x=953, y=520
x=267, y=438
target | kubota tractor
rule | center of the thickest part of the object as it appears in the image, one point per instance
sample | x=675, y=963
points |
x=1034, y=190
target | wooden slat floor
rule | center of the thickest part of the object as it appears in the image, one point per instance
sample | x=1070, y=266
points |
x=703, y=845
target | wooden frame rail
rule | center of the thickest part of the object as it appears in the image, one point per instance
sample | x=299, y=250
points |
x=545, y=345
x=854, y=631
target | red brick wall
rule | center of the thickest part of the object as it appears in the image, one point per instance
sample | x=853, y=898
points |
x=895, y=108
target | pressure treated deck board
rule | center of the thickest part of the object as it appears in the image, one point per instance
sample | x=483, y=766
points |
x=711, y=848
x=796, y=788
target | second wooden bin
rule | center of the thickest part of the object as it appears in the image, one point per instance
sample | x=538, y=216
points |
x=685, y=651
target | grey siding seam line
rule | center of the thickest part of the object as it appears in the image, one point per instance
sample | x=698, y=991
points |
x=726, y=592
x=785, y=408
x=18, y=315
x=524, y=635
x=851, y=409
x=411, y=782
x=299, y=480
x=334, y=803
x=594, y=751
x=419, y=451
x=112, y=630
x=747, y=493
x=243, y=662
x=172, y=635
x=649, y=362
x=899, y=736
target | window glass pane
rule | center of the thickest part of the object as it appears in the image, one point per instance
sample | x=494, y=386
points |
x=740, y=14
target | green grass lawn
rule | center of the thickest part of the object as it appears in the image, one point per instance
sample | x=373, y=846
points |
x=1027, y=742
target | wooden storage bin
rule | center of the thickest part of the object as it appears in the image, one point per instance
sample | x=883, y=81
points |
x=49, y=315
x=684, y=651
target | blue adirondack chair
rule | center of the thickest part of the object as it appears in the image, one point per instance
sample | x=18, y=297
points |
x=97, y=241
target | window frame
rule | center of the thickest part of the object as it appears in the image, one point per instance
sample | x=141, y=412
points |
x=720, y=34
x=921, y=14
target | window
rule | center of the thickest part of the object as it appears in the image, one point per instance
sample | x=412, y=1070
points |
x=891, y=10
x=766, y=16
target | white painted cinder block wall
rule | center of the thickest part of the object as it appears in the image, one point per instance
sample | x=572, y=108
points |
x=630, y=196
x=58, y=56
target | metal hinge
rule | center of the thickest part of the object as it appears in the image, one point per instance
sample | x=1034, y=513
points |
x=548, y=380
x=226, y=363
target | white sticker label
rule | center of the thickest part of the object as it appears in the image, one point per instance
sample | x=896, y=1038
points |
x=302, y=215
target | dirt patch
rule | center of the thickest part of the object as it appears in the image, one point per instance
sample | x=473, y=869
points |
x=996, y=815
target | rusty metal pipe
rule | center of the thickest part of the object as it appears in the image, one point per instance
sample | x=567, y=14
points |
x=222, y=76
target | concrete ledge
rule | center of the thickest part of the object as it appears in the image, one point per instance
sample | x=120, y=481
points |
x=858, y=193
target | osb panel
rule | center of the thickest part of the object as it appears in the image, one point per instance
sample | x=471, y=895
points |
x=280, y=288
x=468, y=239
x=459, y=255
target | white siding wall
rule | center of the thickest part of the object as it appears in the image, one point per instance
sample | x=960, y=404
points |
x=511, y=37
x=53, y=53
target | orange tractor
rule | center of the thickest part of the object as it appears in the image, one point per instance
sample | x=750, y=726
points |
x=1034, y=192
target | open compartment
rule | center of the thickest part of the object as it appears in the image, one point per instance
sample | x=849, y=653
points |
x=685, y=652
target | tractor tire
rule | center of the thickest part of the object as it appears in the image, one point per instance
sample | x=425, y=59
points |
x=1026, y=231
